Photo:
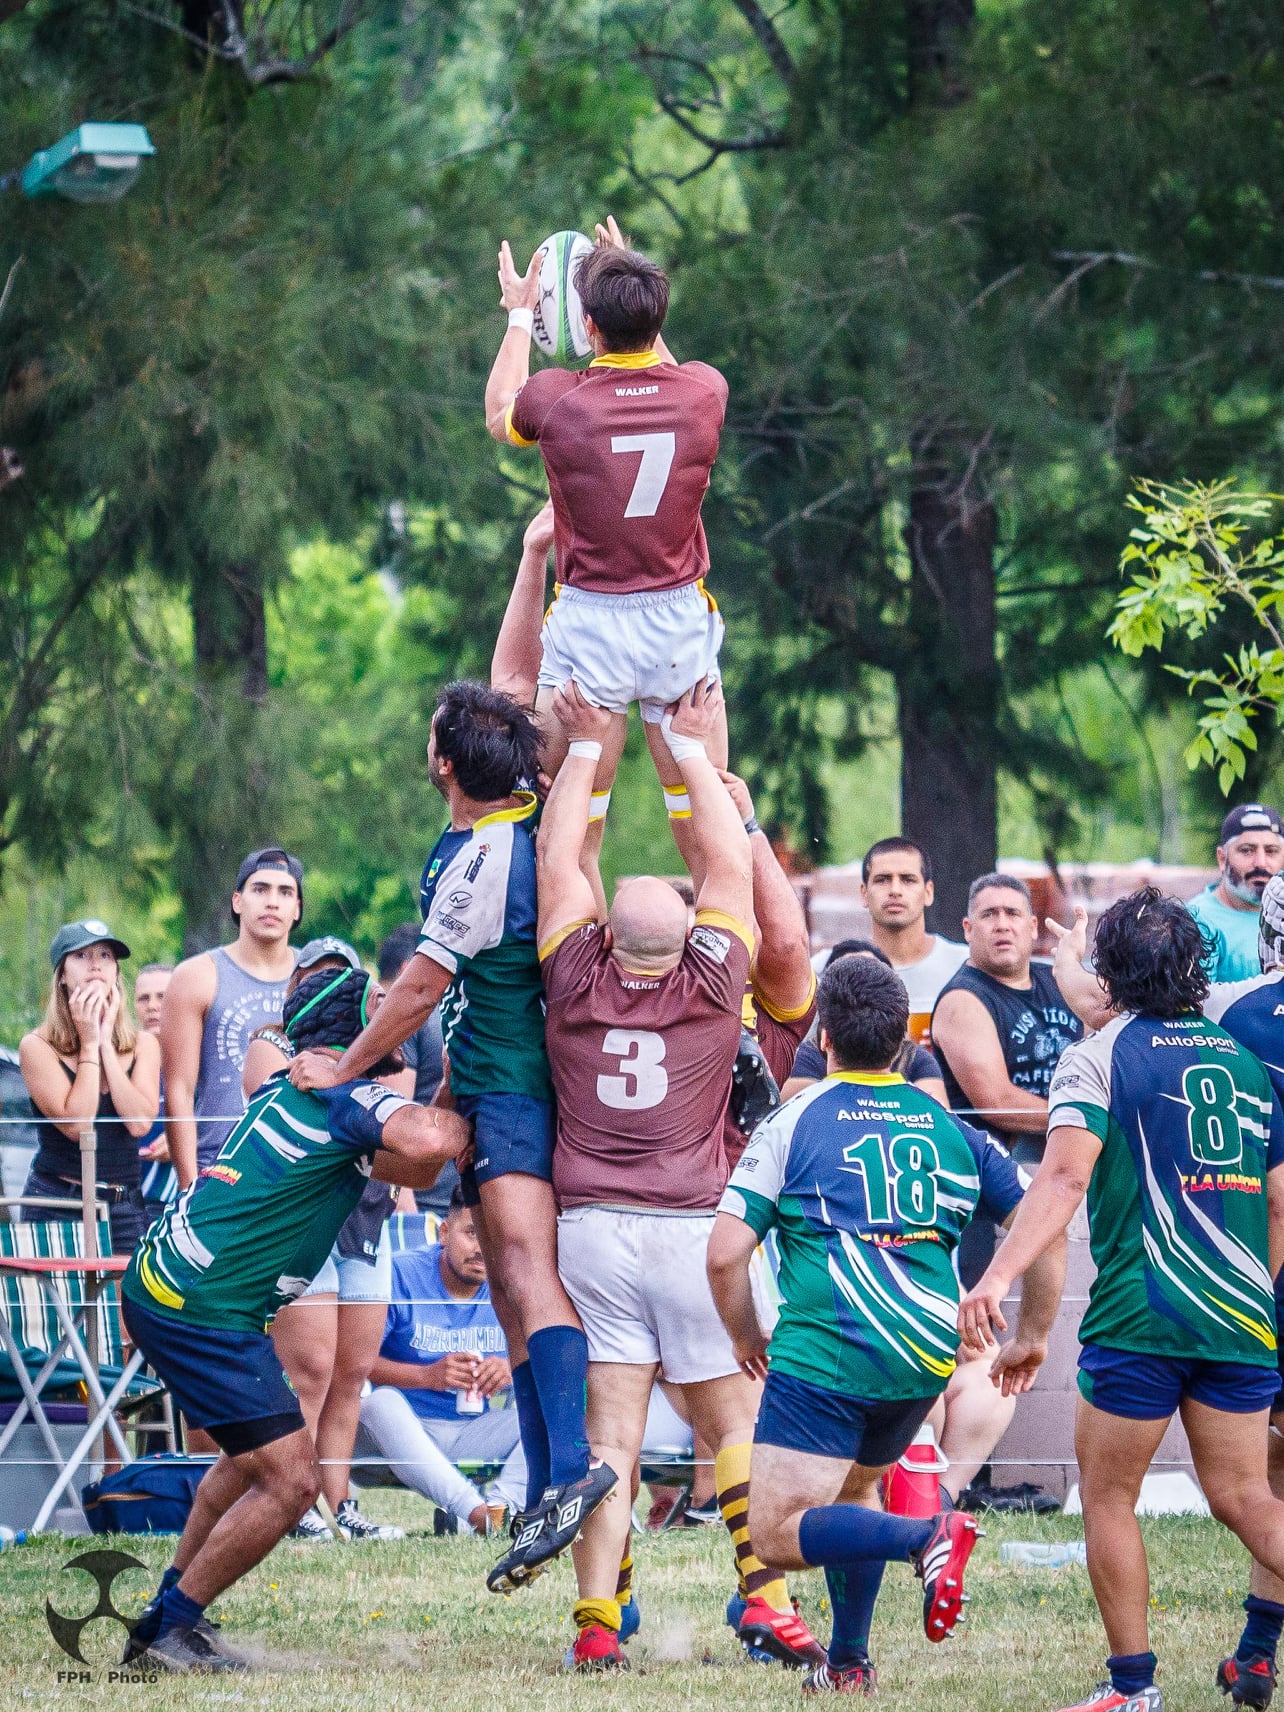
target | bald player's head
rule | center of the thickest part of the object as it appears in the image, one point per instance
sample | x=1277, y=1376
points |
x=648, y=924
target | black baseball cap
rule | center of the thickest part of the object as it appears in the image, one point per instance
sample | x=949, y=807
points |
x=1250, y=817
x=327, y=946
x=272, y=857
x=76, y=935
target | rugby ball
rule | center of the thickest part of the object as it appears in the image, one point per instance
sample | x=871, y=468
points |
x=559, y=315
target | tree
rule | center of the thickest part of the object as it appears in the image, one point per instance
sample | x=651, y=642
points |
x=1196, y=550
x=206, y=371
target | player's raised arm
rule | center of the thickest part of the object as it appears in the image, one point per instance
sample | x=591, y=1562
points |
x=783, y=975
x=716, y=826
x=1080, y=988
x=565, y=896
x=514, y=666
x=518, y=294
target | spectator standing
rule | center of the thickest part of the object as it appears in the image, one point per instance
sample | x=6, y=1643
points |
x=915, y=1063
x=159, y=1182
x=998, y=1029
x=88, y=1064
x=442, y=1374
x=215, y=1002
x=422, y=1053
x=896, y=889
x=1001, y=1024
x=1250, y=851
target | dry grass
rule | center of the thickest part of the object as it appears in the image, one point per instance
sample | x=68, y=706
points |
x=410, y=1625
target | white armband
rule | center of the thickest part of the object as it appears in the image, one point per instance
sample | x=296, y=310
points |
x=585, y=749
x=523, y=318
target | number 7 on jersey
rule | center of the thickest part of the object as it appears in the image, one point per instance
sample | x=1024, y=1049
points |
x=653, y=472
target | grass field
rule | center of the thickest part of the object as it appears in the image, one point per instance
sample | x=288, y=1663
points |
x=410, y=1625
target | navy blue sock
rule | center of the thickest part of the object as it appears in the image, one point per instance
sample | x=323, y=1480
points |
x=177, y=1611
x=147, y=1627
x=849, y=1533
x=1131, y=1672
x=853, y=1588
x=534, y=1434
x=559, y=1364
x=1262, y=1630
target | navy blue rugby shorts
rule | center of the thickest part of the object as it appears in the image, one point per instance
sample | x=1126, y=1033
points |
x=1151, y=1387
x=511, y=1132
x=797, y=1415
x=230, y=1383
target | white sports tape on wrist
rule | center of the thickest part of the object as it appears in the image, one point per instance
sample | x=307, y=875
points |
x=680, y=747
x=599, y=802
x=585, y=749
x=678, y=802
x=523, y=318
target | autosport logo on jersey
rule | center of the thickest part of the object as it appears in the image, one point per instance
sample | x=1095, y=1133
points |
x=103, y=1568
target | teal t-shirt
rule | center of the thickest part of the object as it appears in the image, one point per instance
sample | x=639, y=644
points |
x=1234, y=935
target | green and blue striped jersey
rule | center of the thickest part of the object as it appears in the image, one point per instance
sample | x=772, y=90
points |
x=1189, y=1127
x=869, y=1185
x=254, y=1229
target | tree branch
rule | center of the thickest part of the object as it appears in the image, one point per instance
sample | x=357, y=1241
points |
x=1207, y=276
x=8, y=284
x=769, y=40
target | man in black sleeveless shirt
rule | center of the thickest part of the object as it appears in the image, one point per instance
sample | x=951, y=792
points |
x=1000, y=1024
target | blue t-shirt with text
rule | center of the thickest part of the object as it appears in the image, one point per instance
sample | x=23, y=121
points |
x=425, y=1322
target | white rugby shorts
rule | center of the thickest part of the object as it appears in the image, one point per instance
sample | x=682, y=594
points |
x=638, y=1283
x=648, y=648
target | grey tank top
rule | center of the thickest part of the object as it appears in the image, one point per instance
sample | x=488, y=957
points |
x=241, y=1004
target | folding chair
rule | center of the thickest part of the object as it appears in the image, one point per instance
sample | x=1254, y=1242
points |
x=61, y=1340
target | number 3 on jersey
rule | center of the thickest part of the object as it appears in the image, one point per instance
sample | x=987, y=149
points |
x=642, y=1081
x=900, y=1174
x=653, y=472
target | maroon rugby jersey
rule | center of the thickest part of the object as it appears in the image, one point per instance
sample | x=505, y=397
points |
x=628, y=444
x=779, y=1035
x=642, y=1068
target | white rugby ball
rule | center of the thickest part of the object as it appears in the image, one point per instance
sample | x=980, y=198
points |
x=559, y=315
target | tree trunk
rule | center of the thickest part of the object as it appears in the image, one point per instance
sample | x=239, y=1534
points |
x=229, y=807
x=948, y=688
x=934, y=32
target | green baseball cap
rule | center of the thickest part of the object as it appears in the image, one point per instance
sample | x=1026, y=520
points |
x=76, y=935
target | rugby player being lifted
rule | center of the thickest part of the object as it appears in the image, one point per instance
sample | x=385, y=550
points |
x=628, y=444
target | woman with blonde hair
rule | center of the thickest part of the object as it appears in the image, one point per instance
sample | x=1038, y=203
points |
x=87, y=1064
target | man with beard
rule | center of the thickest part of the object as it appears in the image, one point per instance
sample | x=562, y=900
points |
x=1251, y=849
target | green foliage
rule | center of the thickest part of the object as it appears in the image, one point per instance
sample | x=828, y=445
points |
x=1196, y=549
x=277, y=343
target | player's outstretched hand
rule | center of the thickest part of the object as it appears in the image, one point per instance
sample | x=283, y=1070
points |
x=608, y=236
x=518, y=291
x=314, y=1070
x=1072, y=942
x=696, y=715
x=539, y=531
x=578, y=717
x=739, y=793
x=980, y=1310
x=1014, y=1368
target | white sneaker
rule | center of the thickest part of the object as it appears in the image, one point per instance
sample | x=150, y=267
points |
x=354, y=1526
x=311, y=1528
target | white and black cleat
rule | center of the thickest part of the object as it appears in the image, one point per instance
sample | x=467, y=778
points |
x=512, y=1571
